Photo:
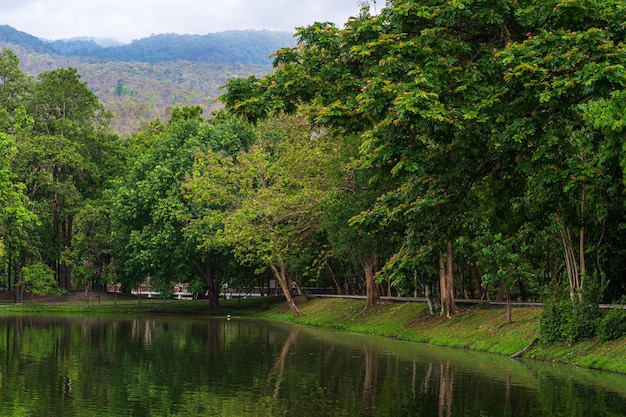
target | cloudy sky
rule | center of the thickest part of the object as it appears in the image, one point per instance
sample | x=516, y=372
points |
x=126, y=20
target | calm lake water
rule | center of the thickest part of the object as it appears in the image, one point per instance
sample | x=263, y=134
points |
x=144, y=366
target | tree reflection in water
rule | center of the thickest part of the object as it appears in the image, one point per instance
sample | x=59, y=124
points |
x=181, y=367
x=278, y=370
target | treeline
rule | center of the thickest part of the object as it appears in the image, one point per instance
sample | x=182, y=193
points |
x=490, y=140
x=230, y=47
x=467, y=149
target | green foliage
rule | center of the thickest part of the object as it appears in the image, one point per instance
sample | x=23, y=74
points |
x=477, y=109
x=39, y=279
x=566, y=319
x=158, y=231
x=17, y=218
x=612, y=326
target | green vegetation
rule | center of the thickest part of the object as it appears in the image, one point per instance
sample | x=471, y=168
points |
x=473, y=328
x=464, y=149
x=147, y=91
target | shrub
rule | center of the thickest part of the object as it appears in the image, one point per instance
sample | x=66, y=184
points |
x=581, y=321
x=552, y=320
x=569, y=320
x=613, y=325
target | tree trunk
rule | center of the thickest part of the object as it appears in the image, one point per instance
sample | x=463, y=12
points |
x=371, y=289
x=509, y=309
x=87, y=295
x=63, y=229
x=281, y=277
x=501, y=294
x=572, y=265
x=19, y=283
x=446, y=282
x=213, y=292
x=429, y=298
x=334, y=277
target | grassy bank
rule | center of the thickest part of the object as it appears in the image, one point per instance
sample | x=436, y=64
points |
x=473, y=328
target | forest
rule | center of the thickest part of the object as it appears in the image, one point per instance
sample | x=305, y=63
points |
x=443, y=149
x=144, y=80
x=228, y=47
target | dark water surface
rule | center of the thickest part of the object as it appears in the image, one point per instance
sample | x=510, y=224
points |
x=144, y=366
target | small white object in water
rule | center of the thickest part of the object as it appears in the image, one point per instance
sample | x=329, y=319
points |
x=228, y=317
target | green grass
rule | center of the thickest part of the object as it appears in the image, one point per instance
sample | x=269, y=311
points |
x=593, y=354
x=128, y=305
x=475, y=328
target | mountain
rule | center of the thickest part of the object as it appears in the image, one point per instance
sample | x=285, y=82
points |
x=246, y=47
x=229, y=47
x=23, y=39
x=144, y=80
x=104, y=42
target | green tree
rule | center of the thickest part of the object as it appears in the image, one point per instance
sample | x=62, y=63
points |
x=361, y=246
x=14, y=87
x=17, y=219
x=445, y=95
x=39, y=279
x=151, y=219
x=569, y=63
x=265, y=203
x=61, y=138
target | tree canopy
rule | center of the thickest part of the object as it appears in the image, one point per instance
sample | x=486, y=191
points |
x=464, y=102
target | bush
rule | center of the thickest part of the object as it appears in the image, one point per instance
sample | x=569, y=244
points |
x=552, y=320
x=613, y=325
x=581, y=322
x=570, y=320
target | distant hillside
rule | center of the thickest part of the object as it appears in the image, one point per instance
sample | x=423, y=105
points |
x=230, y=47
x=246, y=47
x=23, y=39
x=145, y=79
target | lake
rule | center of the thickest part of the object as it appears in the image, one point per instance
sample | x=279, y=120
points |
x=177, y=366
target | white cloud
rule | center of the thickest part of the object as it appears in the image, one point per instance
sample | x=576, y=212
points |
x=132, y=19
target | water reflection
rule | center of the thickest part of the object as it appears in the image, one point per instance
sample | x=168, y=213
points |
x=144, y=366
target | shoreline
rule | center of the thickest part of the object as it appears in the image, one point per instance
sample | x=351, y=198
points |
x=474, y=327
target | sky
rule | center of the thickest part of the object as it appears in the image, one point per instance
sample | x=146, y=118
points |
x=125, y=20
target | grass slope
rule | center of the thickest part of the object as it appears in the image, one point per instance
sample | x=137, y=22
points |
x=475, y=328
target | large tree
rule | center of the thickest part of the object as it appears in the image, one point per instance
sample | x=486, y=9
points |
x=17, y=219
x=63, y=142
x=14, y=88
x=152, y=219
x=266, y=203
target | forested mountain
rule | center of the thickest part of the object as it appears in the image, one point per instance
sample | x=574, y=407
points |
x=229, y=47
x=145, y=79
x=247, y=47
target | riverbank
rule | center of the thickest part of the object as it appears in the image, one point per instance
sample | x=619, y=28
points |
x=476, y=328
